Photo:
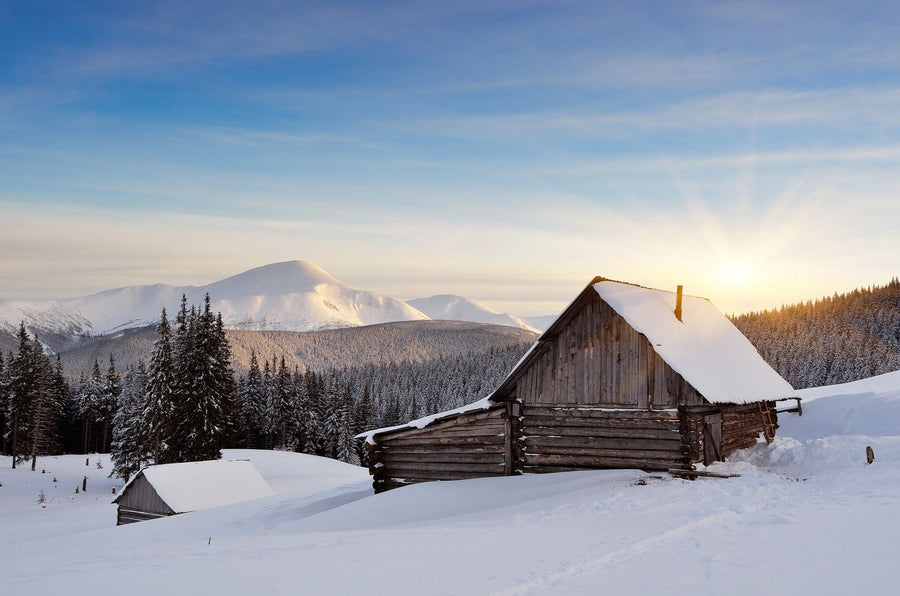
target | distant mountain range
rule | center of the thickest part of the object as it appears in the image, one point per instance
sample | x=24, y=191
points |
x=288, y=296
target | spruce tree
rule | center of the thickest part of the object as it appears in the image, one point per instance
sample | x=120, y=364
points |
x=159, y=408
x=252, y=398
x=132, y=444
x=21, y=392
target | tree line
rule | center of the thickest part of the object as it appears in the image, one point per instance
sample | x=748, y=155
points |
x=836, y=339
x=186, y=403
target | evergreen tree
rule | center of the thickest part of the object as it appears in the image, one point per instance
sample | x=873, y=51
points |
x=132, y=443
x=112, y=389
x=205, y=387
x=159, y=408
x=88, y=402
x=4, y=384
x=21, y=392
x=253, y=405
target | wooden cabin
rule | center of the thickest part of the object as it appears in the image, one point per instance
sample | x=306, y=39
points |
x=170, y=489
x=626, y=377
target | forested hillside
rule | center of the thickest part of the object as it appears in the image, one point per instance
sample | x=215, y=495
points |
x=833, y=340
x=408, y=341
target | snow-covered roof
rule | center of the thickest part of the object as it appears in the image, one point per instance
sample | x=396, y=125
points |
x=704, y=347
x=192, y=486
x=482, y=404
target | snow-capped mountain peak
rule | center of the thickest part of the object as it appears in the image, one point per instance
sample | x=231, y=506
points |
x=288, y=296
x=458, y=308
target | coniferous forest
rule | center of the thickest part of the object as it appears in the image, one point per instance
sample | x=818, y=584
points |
x=185, y=402
x=832, y=340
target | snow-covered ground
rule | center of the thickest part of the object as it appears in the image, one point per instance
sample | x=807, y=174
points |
x=805, y=517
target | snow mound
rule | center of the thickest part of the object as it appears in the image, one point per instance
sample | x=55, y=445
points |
x=866, y=407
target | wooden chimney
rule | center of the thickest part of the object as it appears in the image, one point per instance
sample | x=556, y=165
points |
x=678, y=296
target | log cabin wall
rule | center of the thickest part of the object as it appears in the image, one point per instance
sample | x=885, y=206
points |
x=597, y=358
x=741, y=427
x=471, y=445
x=556, y=439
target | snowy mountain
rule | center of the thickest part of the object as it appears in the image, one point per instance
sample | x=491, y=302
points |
x=289, y=296
x=457, y=308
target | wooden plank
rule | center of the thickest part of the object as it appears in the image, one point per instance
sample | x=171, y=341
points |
x=423, y=475
x=485, y=428
x=546, y=421
x=550, y=450
x=618, y=444
x=508, y=459
x=622, y=431
x=547, y=461
x=459, y=441
x=697, y=473
x=572, y=411
x=462, y=419
x=441, y=457
x=425, y=469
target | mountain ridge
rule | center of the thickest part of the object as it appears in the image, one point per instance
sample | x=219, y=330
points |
x=283, y=296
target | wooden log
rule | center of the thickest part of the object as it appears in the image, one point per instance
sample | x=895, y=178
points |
x=542, y=450
x=458, y=441
x=549, y=461
x=579, y=411
x=565, y=421
x=426, y=469
x=701, y=474
x=458, y=420
x=410, y=476
x=448, y=450
x=621, y=432
x=442, y=457
x=672, y=444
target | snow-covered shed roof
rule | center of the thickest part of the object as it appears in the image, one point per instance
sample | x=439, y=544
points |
x=192, y=486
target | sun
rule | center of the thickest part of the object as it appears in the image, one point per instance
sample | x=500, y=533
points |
x=737, y=273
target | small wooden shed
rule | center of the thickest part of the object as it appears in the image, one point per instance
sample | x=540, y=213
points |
x=170, y=489
x=626, y=377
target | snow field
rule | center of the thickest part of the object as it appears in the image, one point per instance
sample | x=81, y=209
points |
x=805, y=517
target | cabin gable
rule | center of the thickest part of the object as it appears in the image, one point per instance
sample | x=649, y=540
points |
x=596, y=358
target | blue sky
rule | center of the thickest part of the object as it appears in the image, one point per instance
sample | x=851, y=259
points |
x=507, y=151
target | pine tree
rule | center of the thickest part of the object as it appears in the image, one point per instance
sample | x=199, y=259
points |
x=253, y=405
x=159, y=408
x=132, y=444
x=112, y=389
x=4, y=384
x=205, y=386
x=21, y=391
x=88, y=400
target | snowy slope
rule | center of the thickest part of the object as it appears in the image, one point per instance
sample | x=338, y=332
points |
x=868, y=407
x=289, y=296
x=804, y=517
x=457, y=308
